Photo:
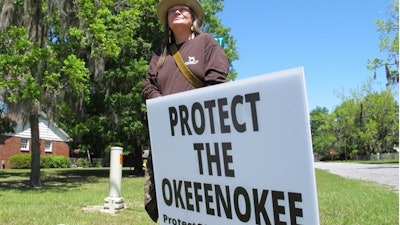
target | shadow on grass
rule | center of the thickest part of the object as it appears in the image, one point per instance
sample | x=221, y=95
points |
x=55, y=179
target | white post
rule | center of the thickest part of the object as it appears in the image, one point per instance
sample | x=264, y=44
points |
x=115, y=171
x=115, y=200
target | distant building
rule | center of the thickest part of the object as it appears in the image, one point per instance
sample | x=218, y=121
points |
x=53, y=140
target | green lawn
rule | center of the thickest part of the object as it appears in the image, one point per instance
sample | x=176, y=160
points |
x=345, y=201
x=68, y=192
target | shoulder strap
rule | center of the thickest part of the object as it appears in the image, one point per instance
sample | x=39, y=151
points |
x=195, y=81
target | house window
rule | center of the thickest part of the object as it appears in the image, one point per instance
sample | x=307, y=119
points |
x=48, y=146
x=24, y=144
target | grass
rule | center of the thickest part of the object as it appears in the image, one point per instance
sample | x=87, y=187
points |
x=68, y=191
x=347, y=201
x=65, y=195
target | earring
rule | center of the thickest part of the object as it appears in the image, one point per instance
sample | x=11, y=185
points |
x=192, y=28
x=169, y=36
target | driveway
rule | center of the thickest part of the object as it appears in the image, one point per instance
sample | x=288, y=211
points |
x=382, y=173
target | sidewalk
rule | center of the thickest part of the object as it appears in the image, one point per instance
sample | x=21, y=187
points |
x=382, y=173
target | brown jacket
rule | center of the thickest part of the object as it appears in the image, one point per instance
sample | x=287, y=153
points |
x=202, y=55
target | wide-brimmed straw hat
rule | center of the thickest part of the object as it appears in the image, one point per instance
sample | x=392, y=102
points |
x=164, y=5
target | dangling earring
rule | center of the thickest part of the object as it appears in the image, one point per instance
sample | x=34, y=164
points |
x=169, y=37
x=192, y=29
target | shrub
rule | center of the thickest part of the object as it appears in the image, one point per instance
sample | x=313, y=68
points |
x=23, y=161
x=44, y=162
x=353, y=154
x=59, y=161
x=96, y=164
x=20, y=161
x=81, y=162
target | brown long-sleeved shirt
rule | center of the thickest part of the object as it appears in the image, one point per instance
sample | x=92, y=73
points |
x=202, y=55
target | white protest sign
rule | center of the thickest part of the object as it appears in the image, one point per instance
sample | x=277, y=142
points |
x=235, y=153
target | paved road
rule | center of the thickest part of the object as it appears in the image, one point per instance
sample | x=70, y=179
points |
x=385, y=174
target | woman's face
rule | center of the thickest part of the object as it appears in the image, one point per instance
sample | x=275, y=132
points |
x=179, y=15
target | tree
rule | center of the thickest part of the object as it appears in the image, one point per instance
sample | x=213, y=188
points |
x=116, y=111
x=344, y=117
x=6, y=124
x=322, y=131
x=377, y=122
x=114, y=38
x=214, y=25
x=364, y=123
x=35, y=75
x=82, y=62
x=389, y=43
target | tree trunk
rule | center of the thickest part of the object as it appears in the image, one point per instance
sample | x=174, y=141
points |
x=35, y=148
x=36, y=34
x=138, y=161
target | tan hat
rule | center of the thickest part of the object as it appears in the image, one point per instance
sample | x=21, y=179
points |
x=164, y=5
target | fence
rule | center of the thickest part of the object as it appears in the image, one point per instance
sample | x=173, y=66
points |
x=384, y=156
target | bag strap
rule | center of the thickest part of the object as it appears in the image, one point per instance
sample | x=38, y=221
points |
x=195, y=81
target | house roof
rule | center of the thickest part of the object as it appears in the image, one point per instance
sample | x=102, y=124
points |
x=47, y=130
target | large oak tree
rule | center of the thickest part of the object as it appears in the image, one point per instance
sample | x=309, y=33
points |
x=82, y=62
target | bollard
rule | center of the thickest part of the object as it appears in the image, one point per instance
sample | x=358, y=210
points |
x=115, y=201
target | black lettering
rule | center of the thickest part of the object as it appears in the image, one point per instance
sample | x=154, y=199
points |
x=259, y=206
x=218, y=202
x=238, y=99
x=208, y=199
x=199, y=147
x=223, y=115
x=213, y=159
x=167, y=195
x=227, y=159
x=278, y=209
x=188, y=195
x=252, y=98
x=184, y=117
x=210, y=105
x=226, y=202
x=295, y=212
x=198, y=198
x=198, y=108
x=240, y=191
x=229, y=115
x=173, y=119
x=178, y=196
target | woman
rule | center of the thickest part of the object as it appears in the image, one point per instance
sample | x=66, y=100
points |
x=201, y=54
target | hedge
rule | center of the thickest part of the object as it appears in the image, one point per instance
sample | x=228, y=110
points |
x=55, y=161
x=23, y=161
x=20, y=161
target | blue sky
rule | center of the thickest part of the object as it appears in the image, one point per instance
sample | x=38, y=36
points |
x=331, y=39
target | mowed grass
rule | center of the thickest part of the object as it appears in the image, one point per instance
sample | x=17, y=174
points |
x=348, y=201
x=69, y=194
x=66, y=197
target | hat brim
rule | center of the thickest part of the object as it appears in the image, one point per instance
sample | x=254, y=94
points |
x=164, y=5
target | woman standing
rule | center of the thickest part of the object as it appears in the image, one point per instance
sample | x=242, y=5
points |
x=203, y=56
x=203, y=59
